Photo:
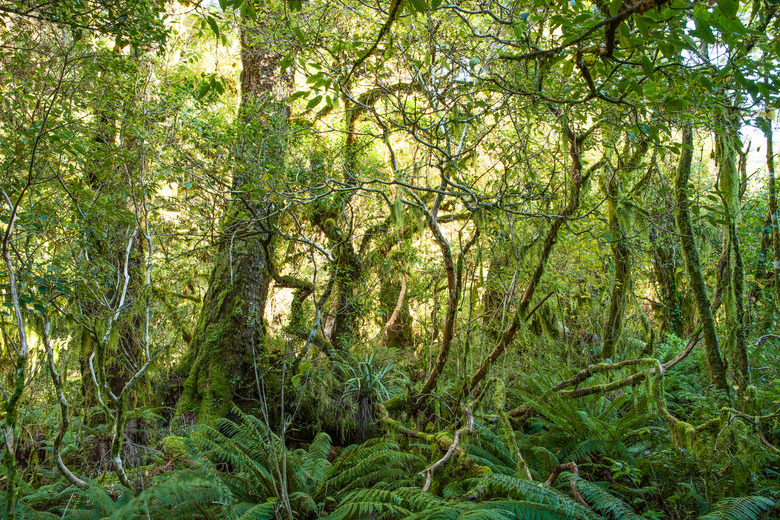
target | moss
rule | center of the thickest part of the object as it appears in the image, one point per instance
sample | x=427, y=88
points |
x=499, y=395
x=174, y=446
x=394, y=404
x=684, y=434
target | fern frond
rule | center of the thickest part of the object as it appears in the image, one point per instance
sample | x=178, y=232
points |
x=488, y=442
x=302, y=502
x=371, y=503
x=416, y=499
x=444, y=512
x=181, y=494
x=513, y=487
x=369, y=464
x=586, y=449
x=523, y=510
x=603, y=501
x=317, y=461
x=265, y=511
x=27, y=513
x=486, y=514
x=99, y=501
x=742, y=508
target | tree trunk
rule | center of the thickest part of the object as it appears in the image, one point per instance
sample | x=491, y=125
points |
x=770, y=167
x=622, y=256
x=715, y=363
x=665, y=271
x=229, y=339
x=726, y=142
x=575, y=150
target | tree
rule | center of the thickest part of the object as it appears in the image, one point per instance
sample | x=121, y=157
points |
x=229, y=341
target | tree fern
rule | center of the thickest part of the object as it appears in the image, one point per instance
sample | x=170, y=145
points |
x=743, y=508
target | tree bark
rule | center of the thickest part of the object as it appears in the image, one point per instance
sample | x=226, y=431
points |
x=773, y=215
x=714, y=361
x=230, y=334
x=665, y=270
x=726, y=142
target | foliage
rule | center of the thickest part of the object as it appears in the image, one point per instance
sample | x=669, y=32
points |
x=239, y=235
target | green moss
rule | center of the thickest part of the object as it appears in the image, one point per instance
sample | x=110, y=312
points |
x=684, y=434
x=174, y=446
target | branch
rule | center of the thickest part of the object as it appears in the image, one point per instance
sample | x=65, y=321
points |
x=397, y=310
x=428, y=472
x=572, y=467
x=64, y=422
x=522, y=413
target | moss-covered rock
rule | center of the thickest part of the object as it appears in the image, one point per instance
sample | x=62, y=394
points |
x=174, y=446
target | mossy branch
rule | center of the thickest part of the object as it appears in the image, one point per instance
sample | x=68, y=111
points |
x=522, y=413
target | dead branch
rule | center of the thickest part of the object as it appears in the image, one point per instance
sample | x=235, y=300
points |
x=572, y=467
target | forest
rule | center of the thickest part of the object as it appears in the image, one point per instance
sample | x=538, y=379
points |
x=389, y=259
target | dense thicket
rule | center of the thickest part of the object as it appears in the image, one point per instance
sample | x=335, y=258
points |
x=407, y=259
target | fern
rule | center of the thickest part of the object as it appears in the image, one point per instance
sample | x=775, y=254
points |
x=603, y=501
x=743, y=508
x=524, y=510
x=373, y=462
x=557, y=502
x=369, y=503
x=265, y=511
x=177, y=497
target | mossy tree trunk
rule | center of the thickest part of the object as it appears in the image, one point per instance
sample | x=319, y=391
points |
x=773, y=215
x=665, y=265
x=621, y=253
x=621, y=256
x=726, y=142
x=715, y=363
x=229, y=338
x=497, y=288
x=575, y=142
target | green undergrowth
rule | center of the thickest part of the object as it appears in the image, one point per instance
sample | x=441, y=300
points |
x=656, y=449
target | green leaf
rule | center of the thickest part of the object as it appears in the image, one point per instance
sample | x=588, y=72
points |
x=614, y=7
x=568, y=68
x=728, y=7
x=314, y=102
x=204, y=89
x=703, y=30
x=214, y=26
x=647, y=66
x=298, y=95
x=247, y=11
x=419, y=5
